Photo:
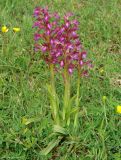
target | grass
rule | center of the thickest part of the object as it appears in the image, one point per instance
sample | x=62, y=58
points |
x=25, y=118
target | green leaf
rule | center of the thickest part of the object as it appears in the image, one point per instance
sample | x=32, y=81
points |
x=73, y=99
x=26, y=121
x=59, y=129
x=71, y=103
x=74, y=110
x=54, y=103
x=51, y=145
x=71, y=109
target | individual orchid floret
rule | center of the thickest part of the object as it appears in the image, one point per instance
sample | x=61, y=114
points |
x=37, y=11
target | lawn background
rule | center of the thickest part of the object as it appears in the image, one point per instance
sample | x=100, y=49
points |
x=23, y=78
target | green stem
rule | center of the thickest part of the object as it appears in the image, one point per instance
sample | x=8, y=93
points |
x=105, y=113
x=66, y=107
x=55, y=101
x=77, y=101
x=52, y=77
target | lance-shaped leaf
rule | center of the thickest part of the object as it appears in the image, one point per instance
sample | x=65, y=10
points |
x=51, y=145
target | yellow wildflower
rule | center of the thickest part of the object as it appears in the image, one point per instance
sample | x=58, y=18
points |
x=104, y=98
x=24, y=120
x=4, y=29
x=101, y=70
x=118, y=109
x=16, y=29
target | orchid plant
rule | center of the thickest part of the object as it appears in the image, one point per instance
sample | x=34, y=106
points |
x=58, y=42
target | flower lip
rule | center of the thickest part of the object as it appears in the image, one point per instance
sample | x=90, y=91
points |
x=62, y=63
x=70, y=70
x=43, y=48
x=81, y=63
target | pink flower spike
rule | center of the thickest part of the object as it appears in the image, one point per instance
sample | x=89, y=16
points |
x=59, y=40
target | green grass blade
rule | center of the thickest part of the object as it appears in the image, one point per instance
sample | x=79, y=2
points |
x=51, y=145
